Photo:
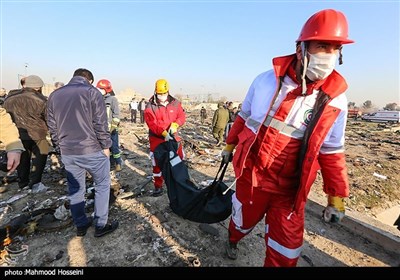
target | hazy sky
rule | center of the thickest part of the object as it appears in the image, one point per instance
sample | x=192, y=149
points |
x=200, y=47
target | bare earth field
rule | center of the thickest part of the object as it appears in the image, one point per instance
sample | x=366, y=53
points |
x=151, y=235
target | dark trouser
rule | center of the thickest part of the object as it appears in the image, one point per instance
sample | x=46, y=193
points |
x=133, y=115
x=141, y=116
x=36, y=152
x=115, y=152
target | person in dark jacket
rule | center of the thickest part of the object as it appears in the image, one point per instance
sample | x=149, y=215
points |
x=203, y=114
x=3, y=96
x=77, y=121
x=232, y=116
x=27, y=108
x=141, y=108
x=112, y=107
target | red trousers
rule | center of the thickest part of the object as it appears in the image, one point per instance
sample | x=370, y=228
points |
x=283, y=228
x=157, y=174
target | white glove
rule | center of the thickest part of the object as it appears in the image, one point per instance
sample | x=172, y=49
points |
x=333, y=215
x=335, y=210
x=226, y=156
x=167, y=136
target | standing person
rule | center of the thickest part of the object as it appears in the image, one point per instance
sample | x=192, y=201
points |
x=9, y=137
x=58, y=85
x=141, y=108
x=78, y=127
x=219, y=122
x=27, y=108
x=203, y=114
x=163, y=115
x=20, y=88
x=133, y=106
x=232, y=117
x=112, y=107
x=3, y=96
x=292, y=124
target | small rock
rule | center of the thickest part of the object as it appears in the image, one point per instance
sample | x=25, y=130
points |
x=209, y=229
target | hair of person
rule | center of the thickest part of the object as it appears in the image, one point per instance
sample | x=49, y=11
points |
x=84, y=73
x=58, y=84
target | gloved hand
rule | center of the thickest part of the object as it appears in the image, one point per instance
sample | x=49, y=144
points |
x=173, y=128
x=166, y=135
x=335, y=211
x=114, y=124
x=226, y=153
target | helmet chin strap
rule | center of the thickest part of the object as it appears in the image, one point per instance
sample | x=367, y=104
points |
x=304, y=61
x=340, y=56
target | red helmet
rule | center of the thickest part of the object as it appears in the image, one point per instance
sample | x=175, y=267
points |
x=104, y=84
x=326, y=25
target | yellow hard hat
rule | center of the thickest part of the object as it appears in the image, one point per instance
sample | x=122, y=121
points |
x=162, y=86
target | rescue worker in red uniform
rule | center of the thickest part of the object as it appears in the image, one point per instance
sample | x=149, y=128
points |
x=163, y=115
x=291, y=125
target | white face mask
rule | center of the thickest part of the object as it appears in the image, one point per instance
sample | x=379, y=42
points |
x=162, y=97
x=321, y=65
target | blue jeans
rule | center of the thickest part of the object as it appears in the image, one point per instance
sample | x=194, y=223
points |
x=98, y=165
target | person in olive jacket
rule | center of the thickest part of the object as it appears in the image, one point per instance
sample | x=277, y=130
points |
x=219, y=122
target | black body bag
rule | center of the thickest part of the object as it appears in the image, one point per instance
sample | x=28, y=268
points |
x=208, y=205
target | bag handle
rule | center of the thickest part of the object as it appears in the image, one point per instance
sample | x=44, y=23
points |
x=222, y=167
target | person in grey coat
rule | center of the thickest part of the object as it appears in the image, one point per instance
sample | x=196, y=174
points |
x=78, y=126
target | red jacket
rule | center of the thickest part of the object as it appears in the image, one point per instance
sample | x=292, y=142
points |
x=248, y=132
x=159, y=118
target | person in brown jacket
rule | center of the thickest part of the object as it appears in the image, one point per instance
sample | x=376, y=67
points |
x=9, y=137
x=27, y=108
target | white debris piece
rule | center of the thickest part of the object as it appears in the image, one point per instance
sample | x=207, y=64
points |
x=62, y=213
x=380, y=176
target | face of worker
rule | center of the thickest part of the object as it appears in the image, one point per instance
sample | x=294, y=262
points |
x=162, y=97
x=322, y=57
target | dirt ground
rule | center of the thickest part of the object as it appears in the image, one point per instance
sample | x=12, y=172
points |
x=150, y=234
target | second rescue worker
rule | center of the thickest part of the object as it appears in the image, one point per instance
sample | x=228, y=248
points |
x=163, y=115
x=112, y=107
